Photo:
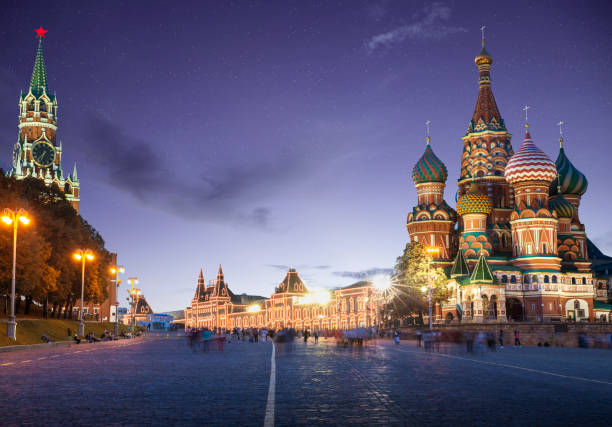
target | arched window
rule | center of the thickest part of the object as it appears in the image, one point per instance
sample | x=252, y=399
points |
x=546, y=279
x=584, y=280
x=554, y=279
x=67, y=189
x=504, y=279
x=576, y=305
x=513, y=279
x=573, y=280
x=527, y=278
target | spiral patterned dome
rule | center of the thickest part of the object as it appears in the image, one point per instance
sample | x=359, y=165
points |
x=572, y=181
x=561, y=206
x=473, y=201
x=429, y=168
x=530, y=163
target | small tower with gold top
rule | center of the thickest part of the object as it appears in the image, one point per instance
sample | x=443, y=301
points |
x=432, y=220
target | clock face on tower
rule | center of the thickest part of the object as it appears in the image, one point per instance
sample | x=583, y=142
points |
x=16, y=155
x=43, y=153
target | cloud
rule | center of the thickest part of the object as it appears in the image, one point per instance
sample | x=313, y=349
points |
x=430, y=26
x=364, y=274
x=229, y=194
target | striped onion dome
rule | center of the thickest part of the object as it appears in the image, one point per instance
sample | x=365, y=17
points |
x=560, y=205
x=473, y=201
x=429, y=168
x=530, y=163
x=571, y=179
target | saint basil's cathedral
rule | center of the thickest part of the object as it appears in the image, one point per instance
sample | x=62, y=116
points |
x=37, y=154
x=515, y=247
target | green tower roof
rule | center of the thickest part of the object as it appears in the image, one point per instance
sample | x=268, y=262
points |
x=460, y=267
x=482, y=272
x=38, y=84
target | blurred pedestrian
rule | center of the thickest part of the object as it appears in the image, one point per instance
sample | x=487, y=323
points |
x=419, y=337
x=501, y=338
x=316, y=336
x=517, y=338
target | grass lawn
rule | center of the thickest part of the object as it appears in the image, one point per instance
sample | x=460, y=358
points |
x=30, y=331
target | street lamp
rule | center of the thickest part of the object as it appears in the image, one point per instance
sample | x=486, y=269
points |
x=9, y=217
x=431, y=251
x=134, y=295
x=116, y=270
x=82, y=255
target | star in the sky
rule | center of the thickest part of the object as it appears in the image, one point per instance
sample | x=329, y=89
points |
x=40, y=32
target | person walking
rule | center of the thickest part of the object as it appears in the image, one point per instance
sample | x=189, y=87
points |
x=419, y=337
x=517, y=338
x=316, y=336
x=501, y=338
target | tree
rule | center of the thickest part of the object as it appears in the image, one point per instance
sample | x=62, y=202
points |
x=406, y=297
x=46, y=271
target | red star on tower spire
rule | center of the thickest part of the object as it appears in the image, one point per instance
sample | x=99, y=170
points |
x=40, y=32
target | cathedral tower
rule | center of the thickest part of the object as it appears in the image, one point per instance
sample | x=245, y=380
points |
x=571, y=185
x=432, y=221
x=37, y=153
x=486, y=150
x=534, y=228
x=473, y=206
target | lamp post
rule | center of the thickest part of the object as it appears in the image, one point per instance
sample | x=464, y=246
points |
x=82, y=255
x=9, y=217
x=431, y=251
x=134, y=295
x=116, y=270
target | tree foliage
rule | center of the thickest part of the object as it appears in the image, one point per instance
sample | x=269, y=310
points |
x=46, y=270
x=410, y=276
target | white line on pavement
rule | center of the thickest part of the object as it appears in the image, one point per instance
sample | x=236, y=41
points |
x=25, y=361
x=509, y=366
x=8, y=364
x=269, y=420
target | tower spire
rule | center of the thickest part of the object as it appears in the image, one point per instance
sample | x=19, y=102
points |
x=38, y=83
x=427, y=138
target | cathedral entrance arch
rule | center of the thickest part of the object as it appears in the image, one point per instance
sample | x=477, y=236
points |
x=514, y=308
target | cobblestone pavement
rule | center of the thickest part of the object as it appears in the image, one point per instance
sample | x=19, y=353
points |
x=163, y=382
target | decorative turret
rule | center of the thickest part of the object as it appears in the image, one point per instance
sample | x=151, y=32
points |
x=200, y=288
x=431, y=222
x=460, y=267
x=220, y=289
x=534, y=228
x=572, y=182
x=486, y=150
x=474, y=207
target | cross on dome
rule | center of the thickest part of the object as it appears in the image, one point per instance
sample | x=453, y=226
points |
x=560, y=124
x=526, y=110
x=427, y=123
x=483, y=36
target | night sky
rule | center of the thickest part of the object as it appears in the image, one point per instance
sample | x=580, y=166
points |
x=267, y=134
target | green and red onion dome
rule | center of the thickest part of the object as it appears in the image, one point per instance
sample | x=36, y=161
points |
x=429, y=168
x=530, y=163
x=572, y=181
x=473, y=201
x=561, y=206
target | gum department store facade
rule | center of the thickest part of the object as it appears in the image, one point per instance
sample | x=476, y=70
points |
x=514, y=248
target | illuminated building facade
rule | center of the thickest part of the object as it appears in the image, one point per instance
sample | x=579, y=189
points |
x=291, y=305
x=515, y=247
